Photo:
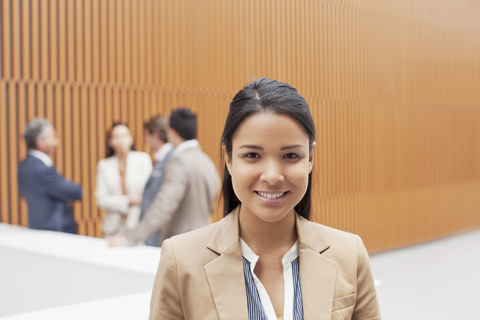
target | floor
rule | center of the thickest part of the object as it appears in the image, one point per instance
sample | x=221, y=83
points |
x=53, y=275
x=438, y=280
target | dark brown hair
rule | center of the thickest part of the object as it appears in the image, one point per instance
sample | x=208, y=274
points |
x=265, y=95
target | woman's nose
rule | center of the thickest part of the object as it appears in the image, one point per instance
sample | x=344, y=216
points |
x=272, y=173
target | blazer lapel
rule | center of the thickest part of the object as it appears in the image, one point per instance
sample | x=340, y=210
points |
x=156, y=170
x=225, y=274
x=317, y=273
x=131, y=175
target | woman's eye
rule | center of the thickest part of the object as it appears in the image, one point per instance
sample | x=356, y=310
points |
x=291, y=156
x=252, y=155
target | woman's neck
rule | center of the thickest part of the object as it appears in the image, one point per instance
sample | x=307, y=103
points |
x=122, y=156
x=265, y=237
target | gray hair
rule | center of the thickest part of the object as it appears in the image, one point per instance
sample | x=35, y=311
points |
x=35, y=129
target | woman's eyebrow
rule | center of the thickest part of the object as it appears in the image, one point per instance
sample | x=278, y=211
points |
x=291, y=147
x=251, y=146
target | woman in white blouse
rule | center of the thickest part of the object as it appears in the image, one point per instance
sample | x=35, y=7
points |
x=265, y=259
x=121, y=178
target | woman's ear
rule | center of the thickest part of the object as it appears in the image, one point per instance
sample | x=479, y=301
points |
x=311, y=157
x=228, y=160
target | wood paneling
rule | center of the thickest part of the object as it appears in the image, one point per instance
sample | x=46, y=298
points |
x=393, y=89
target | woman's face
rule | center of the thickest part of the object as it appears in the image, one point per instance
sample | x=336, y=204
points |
x=121, y=139
x=270, y=164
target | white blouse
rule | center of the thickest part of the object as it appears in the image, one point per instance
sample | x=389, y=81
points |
x=287, y=260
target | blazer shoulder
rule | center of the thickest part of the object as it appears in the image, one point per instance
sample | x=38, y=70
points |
x=191, y=249
x=31, y=161
x=320, y=237
x=193, y=241
x=34, y=167
x=189, y=153
x=106, y=162
x=141, y=155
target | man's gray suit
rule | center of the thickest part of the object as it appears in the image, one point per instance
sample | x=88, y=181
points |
x=186, y=197
x=151, y=189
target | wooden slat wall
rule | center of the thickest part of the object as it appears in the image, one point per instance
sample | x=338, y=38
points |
x=393, y=87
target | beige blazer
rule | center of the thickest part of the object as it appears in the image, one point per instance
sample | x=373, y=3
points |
x=200, y=275
x=186, y=197
x=109, y=194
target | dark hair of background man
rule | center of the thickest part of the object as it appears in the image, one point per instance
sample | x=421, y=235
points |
x=184, y=122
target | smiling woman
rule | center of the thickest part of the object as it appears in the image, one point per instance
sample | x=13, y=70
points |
x=265, y=259
x=269, y=163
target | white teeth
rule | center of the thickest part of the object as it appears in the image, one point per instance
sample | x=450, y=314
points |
x=271, y=195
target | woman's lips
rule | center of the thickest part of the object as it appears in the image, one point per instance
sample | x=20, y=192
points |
x=271, y=197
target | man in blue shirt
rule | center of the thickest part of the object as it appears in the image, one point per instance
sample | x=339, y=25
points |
x=49, y=196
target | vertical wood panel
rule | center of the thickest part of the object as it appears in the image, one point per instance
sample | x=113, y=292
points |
x=83, y=146
x=12, y=154
x=22, y=119
x=40, y=98
x=4, y=165
x=79, y=42
x=150, y=42
x=26, y=38
x=59, y=127
x=127, y=44
x=67, y=144
x=162, y=39
x=134, y=38
x=94, y=119
x=88, y=42
x=71, y=47
x=6, y=55
x=112, y=48
x=141, y=35
x=76, y=127
x=16, y=40
x=62, y=40
x=44, y=41
x=53, y=36
x=120, y=66
x=96, y=43
x=35, y=29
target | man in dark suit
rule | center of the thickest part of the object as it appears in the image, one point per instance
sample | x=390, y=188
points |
x=156, y=138
x=49, y=196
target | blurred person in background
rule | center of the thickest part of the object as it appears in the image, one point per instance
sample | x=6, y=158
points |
x=49, y=196
x=156, y=138
x=121, y=178
x=187, y=196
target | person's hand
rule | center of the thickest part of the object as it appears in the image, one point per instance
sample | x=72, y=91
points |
x=135, y=200
x=116, y=241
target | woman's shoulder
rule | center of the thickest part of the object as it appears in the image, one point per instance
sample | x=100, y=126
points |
x=191, y=249
x=106, y=162
x=197, y=238
x=333, y=238
x=140, y=155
